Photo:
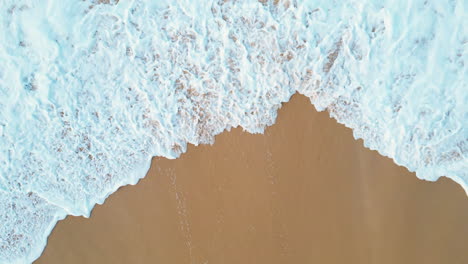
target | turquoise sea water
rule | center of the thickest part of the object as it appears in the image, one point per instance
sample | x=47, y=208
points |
x=89, y=92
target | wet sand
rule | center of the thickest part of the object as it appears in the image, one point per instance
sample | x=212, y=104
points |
x=304, y=192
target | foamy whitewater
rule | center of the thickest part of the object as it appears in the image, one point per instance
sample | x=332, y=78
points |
x=90, y=90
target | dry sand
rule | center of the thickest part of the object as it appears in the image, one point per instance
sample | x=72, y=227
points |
x=305, y=192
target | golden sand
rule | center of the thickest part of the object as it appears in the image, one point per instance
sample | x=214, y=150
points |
x=304, y=192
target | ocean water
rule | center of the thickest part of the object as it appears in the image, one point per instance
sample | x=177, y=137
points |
x=90, y=90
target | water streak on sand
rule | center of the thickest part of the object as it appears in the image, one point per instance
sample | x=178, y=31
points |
x=91, y=90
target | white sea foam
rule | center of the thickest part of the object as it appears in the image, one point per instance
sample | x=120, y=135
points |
x=89, y=92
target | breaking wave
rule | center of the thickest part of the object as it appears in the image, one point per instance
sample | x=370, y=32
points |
x=91, y=90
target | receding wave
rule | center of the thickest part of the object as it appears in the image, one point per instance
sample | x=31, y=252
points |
x=91, y=90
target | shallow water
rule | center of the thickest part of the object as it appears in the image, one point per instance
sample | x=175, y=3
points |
x=90, y=92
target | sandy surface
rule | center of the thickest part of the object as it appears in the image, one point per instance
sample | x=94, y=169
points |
x=305, y=192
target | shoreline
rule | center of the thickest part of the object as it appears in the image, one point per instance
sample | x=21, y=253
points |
x=189, y=205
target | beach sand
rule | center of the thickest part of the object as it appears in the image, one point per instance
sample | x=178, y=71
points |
x=304, y=192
